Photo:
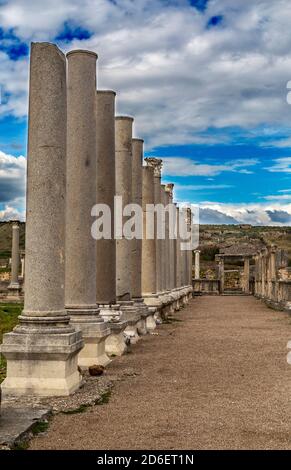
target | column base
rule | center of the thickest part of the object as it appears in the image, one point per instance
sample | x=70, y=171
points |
x=115, y=344
x=14, y=292
x=151, y=323
x=40, y=364
x=155, y=304
x=94, y=332
x=131, y=315
x=144, y=312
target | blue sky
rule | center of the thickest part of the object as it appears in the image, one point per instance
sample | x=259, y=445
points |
x=205, y=80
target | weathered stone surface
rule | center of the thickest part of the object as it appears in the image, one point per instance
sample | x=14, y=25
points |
x=106, y=249
x=80, y=198
x=42, y=350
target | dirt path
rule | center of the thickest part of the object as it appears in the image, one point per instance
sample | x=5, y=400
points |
x=217, y=380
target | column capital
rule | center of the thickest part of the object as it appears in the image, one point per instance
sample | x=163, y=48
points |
x=15, y=223
x=169, y=188
x=156, y=163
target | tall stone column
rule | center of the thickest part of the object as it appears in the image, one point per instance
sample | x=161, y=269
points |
x=106, y=247
x=178, y=282
x=14, y=286
x=247, y=275
x=149, y=261
x=22, y=260
x=197, y=264
x=221, y=273
x=80, y=288
x=263, y=271
x=157, y=164
x=163, y=248
x=183, y=293
x=123, y=175
x=184, y=255
x=272, y=287
x=42, y=350
x=169, y=190
x=136, y=243
x=189, y=287
x=168, y=260
x=171, y=246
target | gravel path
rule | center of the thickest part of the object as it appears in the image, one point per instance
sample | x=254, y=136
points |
x=218, y=379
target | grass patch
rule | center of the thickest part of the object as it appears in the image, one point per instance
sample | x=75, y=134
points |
x=80, y=409
x=8, y=320
x=38, y=428
x=103, y=400
x=21, y=445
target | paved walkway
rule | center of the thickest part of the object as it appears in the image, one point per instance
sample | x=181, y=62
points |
x=216, y=380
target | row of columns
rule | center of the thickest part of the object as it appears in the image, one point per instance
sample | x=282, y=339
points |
x=86, y=299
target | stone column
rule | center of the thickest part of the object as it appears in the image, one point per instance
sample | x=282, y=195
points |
x=197, y=264
x=178, y=261
x=167, y=297
x=81, y=193
x=149, y=260
x=189, y=254
x=167, y=240
x=273, y=262
x=123, y=175
x=136, y=243
x=221, y=273
x=272, y=287
x=163, y=243
x=22, y=266
x=106, y=247
x=172, y=262
x=263, y=271
x=14, y=286
x=169, y=190
x=247, y=275
x=156, y=164
x=182, y=259
x=42, y=350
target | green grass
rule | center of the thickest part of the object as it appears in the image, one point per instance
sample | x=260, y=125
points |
x=103, y=400
x=80, y=409
x=8, y=320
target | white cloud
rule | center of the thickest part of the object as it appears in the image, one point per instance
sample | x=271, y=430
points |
x=177, y=77
x=278, y=197
x=178, y=166
x=281, y=165
x=271, y=213
x=12, y=185
x=11, y=213
x=201, y=187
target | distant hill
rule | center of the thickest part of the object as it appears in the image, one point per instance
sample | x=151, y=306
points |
x=212, y=237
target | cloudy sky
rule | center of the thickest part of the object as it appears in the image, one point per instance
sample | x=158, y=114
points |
x=206, y=81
